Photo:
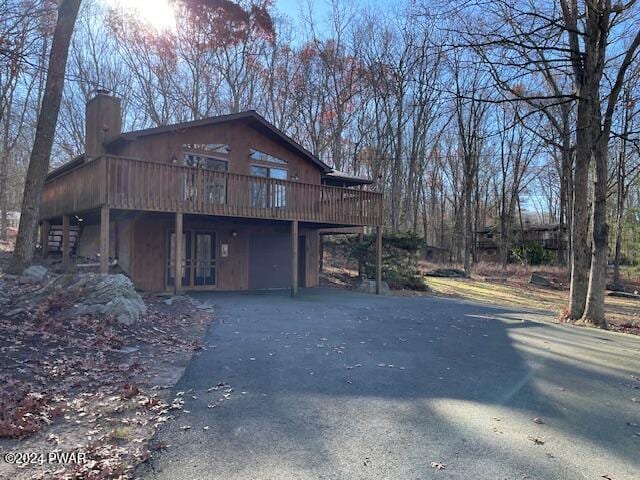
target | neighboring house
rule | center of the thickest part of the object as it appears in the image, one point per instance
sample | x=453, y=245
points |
x=241, y=202
x=552, y=237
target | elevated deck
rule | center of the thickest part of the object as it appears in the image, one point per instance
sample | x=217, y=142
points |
x=132, y=184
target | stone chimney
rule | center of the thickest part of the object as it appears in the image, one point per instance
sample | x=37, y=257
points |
x=103, y=122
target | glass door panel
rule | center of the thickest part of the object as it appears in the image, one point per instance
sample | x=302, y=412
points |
x=259, y=191
x=279, y=191
x=265, y=194
x=205, y=259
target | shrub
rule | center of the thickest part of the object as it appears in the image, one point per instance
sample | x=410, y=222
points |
x=400, y=254
x=532, y=253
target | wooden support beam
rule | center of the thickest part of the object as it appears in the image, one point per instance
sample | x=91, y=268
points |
x=378, y=258
x=66, y=253
x=294, y=258
x=104, y=239
x=360, y=269
x=44, y=240
x=178, y=253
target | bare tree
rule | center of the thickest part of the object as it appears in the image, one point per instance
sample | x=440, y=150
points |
x=45, y=131
x=589, y=29
x=470, y=114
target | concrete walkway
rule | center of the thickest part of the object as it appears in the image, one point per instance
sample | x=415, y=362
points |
x=340, y=385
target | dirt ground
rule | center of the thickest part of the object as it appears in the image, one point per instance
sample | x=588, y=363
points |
x=80, y=398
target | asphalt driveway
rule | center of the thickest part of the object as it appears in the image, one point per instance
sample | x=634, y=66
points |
x=340, y=385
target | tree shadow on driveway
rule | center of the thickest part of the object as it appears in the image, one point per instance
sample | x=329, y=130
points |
x=335, y=384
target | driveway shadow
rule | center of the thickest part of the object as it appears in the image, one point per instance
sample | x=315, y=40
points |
x=336, y=384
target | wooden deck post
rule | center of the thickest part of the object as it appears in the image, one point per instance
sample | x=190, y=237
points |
x=44, y=240
x=178, y=253
x=378, y=258
x=294, y=258
x=104, y=239
x=66, y=254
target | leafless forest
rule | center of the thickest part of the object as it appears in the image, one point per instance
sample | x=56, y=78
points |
x=467, y=113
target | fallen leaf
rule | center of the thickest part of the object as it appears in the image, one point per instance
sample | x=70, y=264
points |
x=536, y=440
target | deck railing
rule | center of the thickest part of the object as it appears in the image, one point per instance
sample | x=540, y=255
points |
x=133, y=184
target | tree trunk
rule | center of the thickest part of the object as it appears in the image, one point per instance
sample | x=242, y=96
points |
x=45, y=131
x=594, y=310
x=565, y=195
x=580, y=254
x=468, y=223
x=621, y=190
x=619, y=220
x=4, y=197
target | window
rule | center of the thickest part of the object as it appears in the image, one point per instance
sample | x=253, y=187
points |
x=211, y=148
x=215, y=187
x=259, y=156
x=266, y=194
x=205, y=162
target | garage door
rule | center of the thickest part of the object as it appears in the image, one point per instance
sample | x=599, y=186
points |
x=269, y=261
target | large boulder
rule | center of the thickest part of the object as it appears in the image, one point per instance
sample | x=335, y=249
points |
x=92, y=294
x=540, y=281
x=616, y=287
x=108, y=295
x=33, y=274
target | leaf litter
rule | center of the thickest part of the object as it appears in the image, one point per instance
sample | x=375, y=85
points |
x=89, y=384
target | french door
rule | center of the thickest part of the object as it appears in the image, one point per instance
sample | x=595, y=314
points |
x=198, y=259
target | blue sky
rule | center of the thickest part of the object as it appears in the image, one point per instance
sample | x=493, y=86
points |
x=292, y=8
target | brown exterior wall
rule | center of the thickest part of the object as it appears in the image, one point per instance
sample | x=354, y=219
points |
x=150, y=249
x=240, y=137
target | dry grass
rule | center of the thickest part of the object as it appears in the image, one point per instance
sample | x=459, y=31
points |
x=512, y=270
x=518, y=293
x=508, y=287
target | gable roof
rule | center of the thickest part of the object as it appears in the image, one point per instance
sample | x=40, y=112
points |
x=256, y=120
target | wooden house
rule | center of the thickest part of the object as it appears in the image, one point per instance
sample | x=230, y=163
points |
x=235, y=199
x=552, y=237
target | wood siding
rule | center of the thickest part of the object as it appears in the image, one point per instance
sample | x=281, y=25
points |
x=150, y=249
x=77, y=190
x=240, y=136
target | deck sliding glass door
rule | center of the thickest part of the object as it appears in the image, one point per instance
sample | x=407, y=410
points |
x=264, y=194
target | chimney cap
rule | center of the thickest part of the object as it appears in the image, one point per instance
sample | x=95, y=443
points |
x=102, y=91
